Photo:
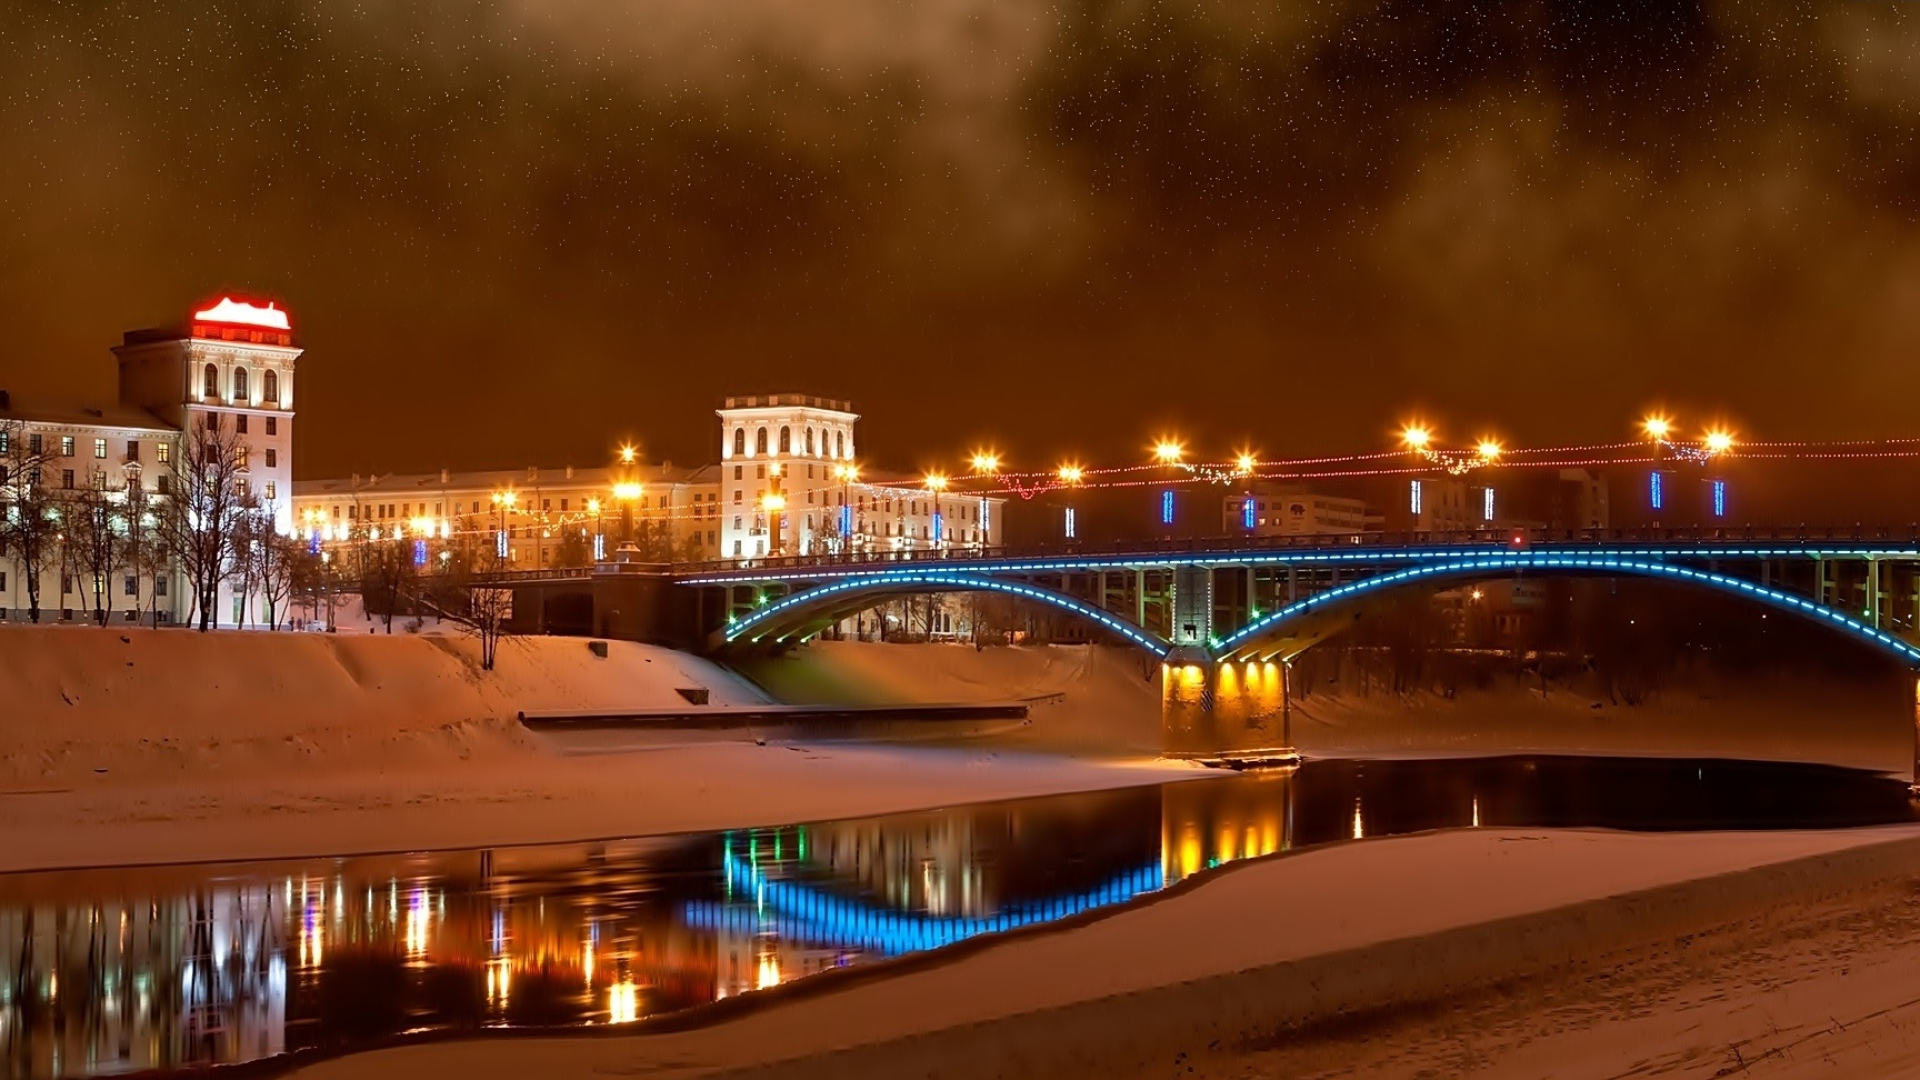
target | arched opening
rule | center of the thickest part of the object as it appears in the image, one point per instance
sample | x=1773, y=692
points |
x=739, y=442
x=240, y=384
x=839, y=444
x=803, y=614
x=809, y=442
x=760, y=441
x=786, y=439
x=270, y=388
x=210, y=382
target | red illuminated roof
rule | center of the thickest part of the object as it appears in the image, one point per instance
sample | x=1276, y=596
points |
x=240, y=313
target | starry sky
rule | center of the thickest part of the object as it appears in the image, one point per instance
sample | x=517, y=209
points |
x=516, y=231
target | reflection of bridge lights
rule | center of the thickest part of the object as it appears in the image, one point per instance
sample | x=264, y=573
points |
x=623, y=1002
x=419, y=914
x=1359, y=826
x=499, y=982
x=769, y=973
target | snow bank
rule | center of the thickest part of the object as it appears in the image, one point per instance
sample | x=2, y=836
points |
x=134, y=703
x=1248, y=954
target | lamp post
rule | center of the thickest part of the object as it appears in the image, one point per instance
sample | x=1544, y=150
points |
x=503, y=501
x=626, y=490
x=936, y=483
x=1168, y=452
x=1718, y=444
x=1489, y=450
x=1657, y=428
x=1416, y=438
x=771, y=505
x=599, y=530
x=776, y=516
x=846, y=472
x=1070, y=476
x=986, y=464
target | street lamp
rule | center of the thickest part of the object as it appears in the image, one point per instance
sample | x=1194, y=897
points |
x=599, y=532
x=503, y=501
x=1718, y=442
x=1657, y=428
x=1489, y=450
x=1244, y=463
x=1416, y=437
x=936, y=483
x=846, y=472
x=1070, y=476
x=985, y=463
x=1167, y=452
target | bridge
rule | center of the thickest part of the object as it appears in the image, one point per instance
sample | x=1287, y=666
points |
x=1227, y=616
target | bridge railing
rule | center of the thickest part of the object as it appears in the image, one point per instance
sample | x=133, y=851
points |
x=960, y=558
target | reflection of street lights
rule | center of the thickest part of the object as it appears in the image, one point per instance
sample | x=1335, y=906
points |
x=599, y=532
x=626, y=492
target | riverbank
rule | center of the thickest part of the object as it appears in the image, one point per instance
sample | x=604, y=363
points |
x=1327, y=948
x=138, y=746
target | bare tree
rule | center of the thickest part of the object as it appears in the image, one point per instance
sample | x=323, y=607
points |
x=208, y=496
x=276, y=561
x=144, y=555
x=387, y=576
x=93, y=526
x=29, y=524
x=467, y=595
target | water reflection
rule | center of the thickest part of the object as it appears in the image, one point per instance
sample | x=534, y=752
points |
x=111, y=971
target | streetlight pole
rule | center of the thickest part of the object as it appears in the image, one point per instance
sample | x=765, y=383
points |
x=1657, y=428
x=846, y=473
x=985, y=464
x=1070, y=476
x=626, y=489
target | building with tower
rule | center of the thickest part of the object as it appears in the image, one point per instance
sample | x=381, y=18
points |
x=230, y=369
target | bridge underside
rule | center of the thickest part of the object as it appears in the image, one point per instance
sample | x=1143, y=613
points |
x=1238, y=613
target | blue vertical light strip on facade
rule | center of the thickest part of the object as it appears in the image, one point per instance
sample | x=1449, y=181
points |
x=846, y=520
x=313, y=542
x=500, y=543
x=1719, y=498
x=1166, y=507
x=1486, y=504
x=419, y=553
x=1656, y=491
x=599, y=547
x=939, y=526
x=1246, y=514
x=1069, y=522
x=1413, y=496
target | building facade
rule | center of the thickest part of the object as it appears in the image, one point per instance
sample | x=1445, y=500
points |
x=231, y=371
x=1289, y=510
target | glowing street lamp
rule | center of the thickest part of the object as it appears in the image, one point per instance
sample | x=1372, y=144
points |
x=936, y=483
x=846, y=472
x=1718, y=442
x=985, y=463
x=1071, y=475
x=503, y=501
x=1244, y=464
x=1490, y=450
x=1168, y=451
x=1657, y=427
x=1416, y=437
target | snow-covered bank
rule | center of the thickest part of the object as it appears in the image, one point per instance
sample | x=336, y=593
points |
x=136, y=746
x=1249, y=953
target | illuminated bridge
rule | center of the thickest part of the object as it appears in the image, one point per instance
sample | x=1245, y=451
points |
x=1235, y=600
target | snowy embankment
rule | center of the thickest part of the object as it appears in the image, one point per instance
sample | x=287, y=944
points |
x=122, y=746
x=1265, y=949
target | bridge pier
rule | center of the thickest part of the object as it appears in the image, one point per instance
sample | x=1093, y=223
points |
x=1227, y=711
x=1873, y=592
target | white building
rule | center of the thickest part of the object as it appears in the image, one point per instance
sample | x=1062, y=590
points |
x=1280, y=510
x=790, y=485
x=231, y=369
x=534, y=517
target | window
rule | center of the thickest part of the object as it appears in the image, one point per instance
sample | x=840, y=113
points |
x=240, y=424
x=242, y=488
x=3, y=580
x=546, y=505
x=66, y=479
x=160, y=583
x=133, y=449
x=736, y=521
x=99, y=479
x=760, y=441
x=213, y=422
x=131, y=586
x=100, y=449
x=563, y=502
x=66, y=583
x=786, y=439
x=839, y=444
x=33, y=443
x=6, y=442
x=240, y=384
x=739, y=442
x=476, y=506
x=66, y=446
x=273, y=457
x=737, y=472
x=210, y=382
x=166, y=487
x=760, y=472
x=270, y=490
x=270, y=390
x=737, y=494
x=239, y=457
x=273, y=422
x=809, y=442
x=163, y=452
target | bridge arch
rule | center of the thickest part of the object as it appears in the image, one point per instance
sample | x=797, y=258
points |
x=782, y=616
x=1248, y=638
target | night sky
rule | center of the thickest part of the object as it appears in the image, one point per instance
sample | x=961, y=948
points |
x=515, y=231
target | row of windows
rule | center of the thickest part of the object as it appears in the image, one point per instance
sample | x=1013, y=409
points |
x=36, y=445
x=786, y=441
x=269, y=385
x=67, y=479
x=240, y=423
